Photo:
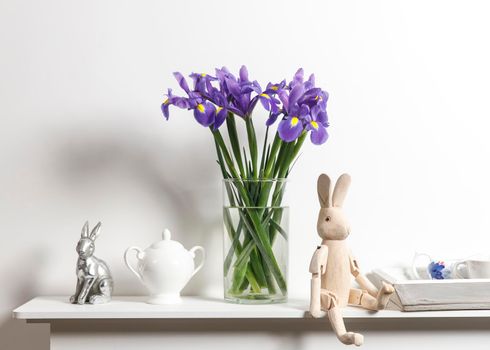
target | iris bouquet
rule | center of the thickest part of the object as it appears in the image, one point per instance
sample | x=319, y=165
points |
x=254, y=173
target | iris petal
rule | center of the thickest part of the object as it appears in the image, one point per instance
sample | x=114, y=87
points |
x=265, y=102
x=205, y=115
x=289, y=129
x=319, y=135
x=233, y=87
x=182, y=82
x=298, y=77
x=295, y=94
x=165, y=110
x=272, y=119
x=283, y=96
x=243, y=73
x=221, y=114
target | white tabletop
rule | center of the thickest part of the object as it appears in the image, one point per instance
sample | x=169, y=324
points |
x=58, y=307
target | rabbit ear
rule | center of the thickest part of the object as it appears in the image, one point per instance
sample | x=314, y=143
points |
x=95, y=231
x=85, y=230
x=340, y=190
x=323, y=188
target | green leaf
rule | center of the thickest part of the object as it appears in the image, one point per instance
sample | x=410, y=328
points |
x=279, y=228
x=252, y=145
x=235, y=143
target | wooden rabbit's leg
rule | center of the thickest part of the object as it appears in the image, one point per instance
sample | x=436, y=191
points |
x=381, y=295
x=364, y=299
x=359, y=297
x=384, y=294
x=328, y=299
x=338, y=326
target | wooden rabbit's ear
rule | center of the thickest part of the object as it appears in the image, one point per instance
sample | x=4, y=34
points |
x=95, y=231
x=340, y=190
x=323, y=189
x=85, y=230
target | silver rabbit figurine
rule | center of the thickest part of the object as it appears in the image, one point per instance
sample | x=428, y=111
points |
x=94, y=279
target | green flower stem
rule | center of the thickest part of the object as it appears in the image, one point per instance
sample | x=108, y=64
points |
x=277, y=217
x=264, y=154
x=257, y=231
x=235, y=244
x=257, y=268
x=235, y=144
x=238, y=276
x=253, y=282
x=252, y=144
x=255, y=228
x=272, y=157
x=255, y=264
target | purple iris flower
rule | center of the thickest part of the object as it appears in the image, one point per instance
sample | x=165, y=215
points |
x=268, y=99
x=238, y=91
x=177, y=101
x=292, y=125
x=301, y=105
x=317, y=124
x=303, y=108
x=204, y=111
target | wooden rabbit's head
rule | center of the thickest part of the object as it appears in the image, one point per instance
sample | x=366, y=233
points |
x=332, y=223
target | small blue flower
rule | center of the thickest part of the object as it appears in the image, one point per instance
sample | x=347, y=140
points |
x=436, y=270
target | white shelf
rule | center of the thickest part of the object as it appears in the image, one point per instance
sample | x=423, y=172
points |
x=52, y=308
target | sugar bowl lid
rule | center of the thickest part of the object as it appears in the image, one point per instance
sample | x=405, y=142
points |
x=167, y=241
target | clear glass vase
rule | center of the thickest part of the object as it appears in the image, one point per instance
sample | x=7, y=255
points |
x=256, y=228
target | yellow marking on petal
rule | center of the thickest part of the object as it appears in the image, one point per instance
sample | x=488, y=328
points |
x=218, y=109
x=200, y=108
x=318, y=98
x=266, y=96
x=314, y=124
x=166, y=102
x=274, y=87
x=294, y=121
x=203, y=75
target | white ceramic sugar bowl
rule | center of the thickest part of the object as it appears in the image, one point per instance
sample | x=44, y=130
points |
x=164, y=268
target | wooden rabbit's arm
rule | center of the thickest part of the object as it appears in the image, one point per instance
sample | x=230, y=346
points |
x=318, y=267
x=318, y=262
x=363, y=281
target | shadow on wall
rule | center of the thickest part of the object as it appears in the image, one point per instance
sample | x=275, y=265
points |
x=181, y=186
x=84, y=161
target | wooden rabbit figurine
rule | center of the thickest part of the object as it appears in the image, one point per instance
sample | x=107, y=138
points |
x=94, y=280
x=332, y=265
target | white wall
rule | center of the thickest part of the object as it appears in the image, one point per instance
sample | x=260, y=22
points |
x=82, y=136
